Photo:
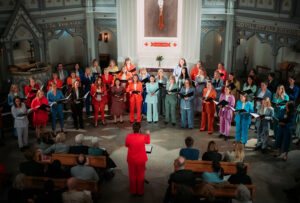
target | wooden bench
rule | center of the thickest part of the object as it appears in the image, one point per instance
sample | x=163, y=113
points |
x=70, y=159
x=60, y=183
x=224, y=190
x=206, y=166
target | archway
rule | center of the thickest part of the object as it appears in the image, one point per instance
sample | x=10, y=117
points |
x=107, y=48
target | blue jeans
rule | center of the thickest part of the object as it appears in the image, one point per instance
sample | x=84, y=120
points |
x=190, y=117
x=57, y=110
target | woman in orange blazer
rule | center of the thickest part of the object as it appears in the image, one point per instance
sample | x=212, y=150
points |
x=208, y=108
x=125, y=79
x=135, y=89
x=72, y=79
x=99, y=99
x=56, y=80
x=129, y=66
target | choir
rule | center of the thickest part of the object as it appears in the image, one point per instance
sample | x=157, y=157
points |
x=124, y=90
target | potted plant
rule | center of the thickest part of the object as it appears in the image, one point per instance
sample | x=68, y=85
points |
x=159, y=58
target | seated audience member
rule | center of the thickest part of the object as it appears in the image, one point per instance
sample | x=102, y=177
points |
x=180, y=177
x=18, y=193
x=189, y=153
x=82, y=171
x=212, y=153
x=59, y=147
x=241, y=176
x=95, y=150
x=48, y=195
x=79, y=148
x=55, y=170
x=31, y=167
x=292, y=194
x=74, y=196
x=216, y=176
x=46, y=141
x=237, y=155
x=242, y=195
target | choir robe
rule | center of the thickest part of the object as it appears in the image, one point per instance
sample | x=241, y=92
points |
x=151, y=101
x=98, y=104
x=144, y=94
x=170, y=103
x=186, y=107
x=135, y=100
x=243, y=121
x=208, y=111
x=161, y=96
x=86, y=82
x=56, y=109
x=58, y=82
x=277, y=112
x=263, y=127
x=40, y=117
x=199, y=92
x=225, y=114
x=125, y=85
x=30, y=95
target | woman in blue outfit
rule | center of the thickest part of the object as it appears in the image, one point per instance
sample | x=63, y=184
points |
x=279, y=101
x=87, y=79
x=152, y=89
x=144, y=77
x=243, y=119
x=186, y=104
x=285, y=121
x=54, y=96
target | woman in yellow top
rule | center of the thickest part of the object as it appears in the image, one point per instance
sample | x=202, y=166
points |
x=113, y=68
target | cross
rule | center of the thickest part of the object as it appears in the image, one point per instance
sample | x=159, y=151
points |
x=31, y=54
x=160, y=6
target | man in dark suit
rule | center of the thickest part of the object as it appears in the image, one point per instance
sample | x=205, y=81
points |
x=79, y=148
x=189, y=153
x=272, y=83
x=181, y=177
x=31, y=167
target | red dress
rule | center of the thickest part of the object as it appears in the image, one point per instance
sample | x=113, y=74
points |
x=30, y=95
x=58, y=84
x=136, y=159
x=135, y=100
x=40, y=117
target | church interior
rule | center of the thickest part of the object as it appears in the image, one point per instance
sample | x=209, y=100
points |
x=76, y=55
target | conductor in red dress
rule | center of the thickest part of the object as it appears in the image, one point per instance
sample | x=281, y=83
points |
x=137, y=158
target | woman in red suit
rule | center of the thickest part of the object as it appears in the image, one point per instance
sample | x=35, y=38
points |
x=135, y=90
x=129, y=66
x=30, y=91
x=137, y=158
x=208, y=108
x=56, y=80
x=40, y=116
x=98, y=92
x=125, y=79
x=108, y=81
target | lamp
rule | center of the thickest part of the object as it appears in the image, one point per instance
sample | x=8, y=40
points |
x=100, y=37
x=106, y=37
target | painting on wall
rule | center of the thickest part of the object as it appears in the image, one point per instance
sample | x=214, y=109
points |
x=160, y=18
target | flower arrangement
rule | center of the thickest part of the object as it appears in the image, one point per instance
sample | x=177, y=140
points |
x=159, y=58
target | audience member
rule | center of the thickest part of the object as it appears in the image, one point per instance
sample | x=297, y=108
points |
x=46, y=141
x=82, y=171
x=189, y=153
x=55, y=170
x=59, y=147
x=242, y=195
x=48, y=195
x=31, y=167
x=212, y=153
x=241, y=176
x=74, y=196
x=216, y=176
x=79, y=148
x=95, y=150
x=237, y=155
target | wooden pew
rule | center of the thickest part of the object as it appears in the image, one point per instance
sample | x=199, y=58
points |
x=70, y=159
x=60, y=183
x=206, y=166
x=222, y=191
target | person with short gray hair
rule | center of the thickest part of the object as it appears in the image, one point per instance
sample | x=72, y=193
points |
x=79, y=148
x=242, y=195
x=94, y=150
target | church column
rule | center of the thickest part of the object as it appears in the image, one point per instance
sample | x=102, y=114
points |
x=229, y=36
x=90, y=32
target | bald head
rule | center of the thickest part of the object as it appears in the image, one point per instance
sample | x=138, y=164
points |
x=71, y=183
x=180, y=162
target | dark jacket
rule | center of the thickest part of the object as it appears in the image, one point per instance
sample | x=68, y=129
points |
x=189, y=153
x=212, y=156
x=240, y=179
x=79, y=149
x=73, y=96
x=32, y=168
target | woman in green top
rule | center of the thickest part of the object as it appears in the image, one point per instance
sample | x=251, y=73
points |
x=250, y=85
x=95, y=150
x=171, y=100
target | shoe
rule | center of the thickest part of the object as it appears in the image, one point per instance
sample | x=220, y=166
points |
x=95, y=125
x=115, y=122
x=225, y=138
x=173, y=124
x=38, y=140
x=121, y=122
x=155, y=121
x=149, y=122
x=103, y=122
x=221, y=135
x=264, y=151
x=257, y=148
x=191, y=128
x=210, y=133
x=166, y=123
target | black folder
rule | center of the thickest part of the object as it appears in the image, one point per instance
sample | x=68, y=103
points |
x=116, y=72
x=282, y=103
x=209, y=99
x=249, y=91
x=145, y=80
x=223, y=103
x=34, y=91
x=258, y=98
x=161, y=85
x=231, y=86
x=136, y=92
x=240, y=110
x=132, y=70
x=44, y=107
x=123, y=81
x=186, y=95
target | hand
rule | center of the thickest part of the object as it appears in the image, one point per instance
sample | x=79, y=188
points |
x=169, y=92
x=54, y=103
x=245, y=112
x=186, y=98
x=281, y=123
x=164, y=85
x=87, y=161
x=147, y=132
x=152, y=94
x=48, y=109
x=37, y=107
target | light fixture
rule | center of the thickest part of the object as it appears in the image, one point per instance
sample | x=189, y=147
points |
x=106, y=37
x=100, y=37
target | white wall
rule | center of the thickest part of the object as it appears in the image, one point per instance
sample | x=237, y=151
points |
x=110, y=47
x=21, y=55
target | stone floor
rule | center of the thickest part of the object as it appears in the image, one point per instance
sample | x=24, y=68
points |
x=269, y=174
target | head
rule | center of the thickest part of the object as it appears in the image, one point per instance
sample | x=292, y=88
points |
x=209, y=85
x=290, y=107
x=124, y=69
x=106, y=71
x=60, y=67
x=187, y=83
x=127, y=62
x=199, y=64
x=266, y=102
x=221, y=65
x=189, y=141
x=271, y=76
x=73, y=74
x=135, y=78
x=143, y=71
x=264, y=85
x=231, y=76
x=117, y=82
x=29, y=154
x=95, y=142
x=218, y=169
x=77, y=83
x=227, y=90
x=280, y=91
x=79, y=139
x=32, y=82
x=242, y=193
x=212, y=147
x=160, y=72
x=60, y=137
x=81, y=160
x=136, y=127
x=239, y=151
x=182, y=62
x=252, y=72
x=19, y=182
x=250, y=80
x=183, y=71
x=241, y=168
x=72, y=183
x=88, y=71
x=180, y=162
x=99, y=82
x=292, y=80
x=54, y=76
x=217, y=75
x=95, y=63
x=40, y=94
x=14, y=89
x=172, y=79
x=77, y=66
x=152, y=78
x=17, y=101
x=112, y=63
x=243, y=97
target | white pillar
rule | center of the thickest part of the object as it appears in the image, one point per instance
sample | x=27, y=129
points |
x=90, y=31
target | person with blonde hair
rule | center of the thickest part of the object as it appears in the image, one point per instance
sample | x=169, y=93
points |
x=14, y=91
x=266, y=113
x=237, y=155
x=280, y=98
x=212, y=152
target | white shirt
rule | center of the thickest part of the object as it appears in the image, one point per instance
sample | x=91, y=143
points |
x=61, y=75
x=207, y=93
x=243, y=105
x=134, y=87
x=98, y=95
x=226, y=97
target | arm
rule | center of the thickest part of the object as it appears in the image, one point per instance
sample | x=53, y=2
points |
x=126, y=142
x=147, y=137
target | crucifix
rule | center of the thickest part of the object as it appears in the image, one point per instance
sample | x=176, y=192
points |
x=31, y=51
x=161, y=20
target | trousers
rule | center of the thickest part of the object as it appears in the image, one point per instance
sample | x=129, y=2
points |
x=136, y=177
x=22, y=136
x=225, y=125
x=190, y=117
x=170, y=107
x=209, y=119
x=57, y=110
x=242, y=126
x=99, y=106
x=149, y=112
x=138, y=104
x=77, y=115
